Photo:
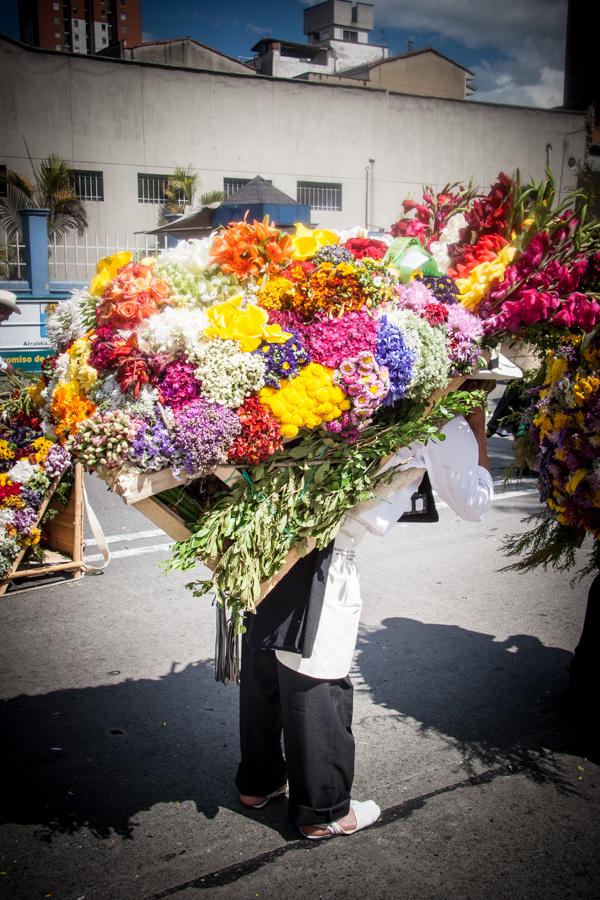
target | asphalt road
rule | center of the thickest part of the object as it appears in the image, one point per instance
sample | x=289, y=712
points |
x=121, y=749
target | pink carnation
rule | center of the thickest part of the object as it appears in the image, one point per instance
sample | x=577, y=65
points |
x=331, y=340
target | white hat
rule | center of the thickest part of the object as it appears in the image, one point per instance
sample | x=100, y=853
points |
x=499, y=368
x=7, y=298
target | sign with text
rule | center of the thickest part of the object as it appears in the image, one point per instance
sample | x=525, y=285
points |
x=23, y=339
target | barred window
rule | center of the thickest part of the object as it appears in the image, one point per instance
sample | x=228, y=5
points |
x=151, y=188
x=232, y=185
x=87, y=185
x=319, y=195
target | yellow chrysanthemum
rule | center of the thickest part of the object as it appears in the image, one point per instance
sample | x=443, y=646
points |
x=232, y=321
x=306, y=400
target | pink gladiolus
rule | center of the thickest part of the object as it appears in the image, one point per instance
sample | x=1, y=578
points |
x=578, y=312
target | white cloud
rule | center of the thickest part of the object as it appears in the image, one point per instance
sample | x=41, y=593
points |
x=476, y=24
x=545, y=91
x=257, y=29
x=527, y=40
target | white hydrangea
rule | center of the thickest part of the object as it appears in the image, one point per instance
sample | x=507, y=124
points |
x=193, y=255
x=227, y=374
x=173, y=331
x=22, y=471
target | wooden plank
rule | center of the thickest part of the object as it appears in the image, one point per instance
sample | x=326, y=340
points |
x=170, y=522
x=134, y=486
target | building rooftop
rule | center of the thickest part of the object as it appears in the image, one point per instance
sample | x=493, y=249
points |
x=258, y=191
x=410, y=53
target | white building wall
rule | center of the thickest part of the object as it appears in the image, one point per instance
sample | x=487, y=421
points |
x=124, y=118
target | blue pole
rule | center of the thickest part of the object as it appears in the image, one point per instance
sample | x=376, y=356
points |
x=35, y=235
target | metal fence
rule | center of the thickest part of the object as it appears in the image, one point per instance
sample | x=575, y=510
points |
x=12, y=258
x=74, y=258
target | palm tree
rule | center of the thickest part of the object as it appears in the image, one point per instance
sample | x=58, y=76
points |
x=51, y=189
x=180, y=193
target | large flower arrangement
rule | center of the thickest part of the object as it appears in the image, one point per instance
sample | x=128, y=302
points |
x=301, y=359
x=563, y=435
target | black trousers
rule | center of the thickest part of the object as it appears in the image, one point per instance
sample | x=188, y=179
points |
x=315, y=717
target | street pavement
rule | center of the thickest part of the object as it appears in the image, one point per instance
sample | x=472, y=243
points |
x=121, y=749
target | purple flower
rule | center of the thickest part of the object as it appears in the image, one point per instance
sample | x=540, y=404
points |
x=25, y=520
x=465, y=332
x=203, y=434
x=152, y=447
x=333, y=253
x=31, y=497
x=57, y=461
x=394, y=353
x=283, y=360
x=442, y=287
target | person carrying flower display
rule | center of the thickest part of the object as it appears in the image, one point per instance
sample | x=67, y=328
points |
x=293, y=389
x=297, y=650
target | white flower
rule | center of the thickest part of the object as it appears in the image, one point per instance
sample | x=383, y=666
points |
x=173, y=331
x=228, y=375
x=7, y=517
x=22, y=471
x=450, y=235
x=66, y=322
x=193, y=255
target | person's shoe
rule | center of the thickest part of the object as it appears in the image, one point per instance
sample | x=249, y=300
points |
x=260, y=802
x=366, y=812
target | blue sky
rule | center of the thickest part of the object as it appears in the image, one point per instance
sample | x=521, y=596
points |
x=515, y=47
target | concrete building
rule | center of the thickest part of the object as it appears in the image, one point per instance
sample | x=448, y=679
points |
x=424, y=73
x=79, y=26
x=338, y=39
x=350, y=153
x=183, y=52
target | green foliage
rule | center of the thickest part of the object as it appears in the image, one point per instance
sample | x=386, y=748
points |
x=51, y=189
x=301, y=492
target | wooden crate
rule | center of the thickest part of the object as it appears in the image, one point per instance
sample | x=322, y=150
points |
x=63, y=537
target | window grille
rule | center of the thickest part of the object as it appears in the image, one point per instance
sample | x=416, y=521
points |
x=87, y=185
x=151, y=188
x=232, y=185
x=319, y=195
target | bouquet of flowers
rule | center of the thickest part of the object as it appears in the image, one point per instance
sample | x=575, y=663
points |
x=564, y=432
x=301, y=360
x=30, y=463
x=525, y=265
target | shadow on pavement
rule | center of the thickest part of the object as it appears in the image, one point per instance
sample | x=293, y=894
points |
x=97, y=756
x=496, y=702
